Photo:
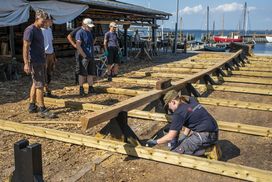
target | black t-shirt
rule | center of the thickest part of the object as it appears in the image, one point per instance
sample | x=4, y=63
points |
x=193, y=116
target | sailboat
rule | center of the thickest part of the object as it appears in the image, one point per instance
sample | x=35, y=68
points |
x=212, y=47
x=269, y=39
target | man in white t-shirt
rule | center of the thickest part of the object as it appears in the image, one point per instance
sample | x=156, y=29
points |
x=49, y=53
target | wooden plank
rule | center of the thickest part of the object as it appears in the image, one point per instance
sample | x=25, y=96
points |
x=253, y=80
x=135, y=81
x=235, y=104
x=93, y=119
x=248, y=90
x=255, y=69
x=197, y=163
x=184, y=65
x=178, y=70
x=252, y=73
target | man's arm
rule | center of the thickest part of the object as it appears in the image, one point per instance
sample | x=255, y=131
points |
x=106, y=42
x=166, y=138
x=80, y=50
x=72, y=42
x=26, y=47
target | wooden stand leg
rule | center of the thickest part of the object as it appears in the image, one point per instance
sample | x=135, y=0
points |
x=118, y=129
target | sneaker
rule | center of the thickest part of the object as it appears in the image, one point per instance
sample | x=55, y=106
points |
x=32, y=108
x=109, y=78
x=91, y=90
x=214, y=152
x=45, y=113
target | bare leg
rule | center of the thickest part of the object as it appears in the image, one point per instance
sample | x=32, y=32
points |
x=32, y=96
x=109, y=70
x=39, y=97
x=90, y=80
x=116, y=69
x=82, y=80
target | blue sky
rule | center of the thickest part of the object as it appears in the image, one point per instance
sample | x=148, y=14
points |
x=193, y=13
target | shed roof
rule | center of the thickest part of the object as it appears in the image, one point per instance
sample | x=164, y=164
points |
x=121, y=6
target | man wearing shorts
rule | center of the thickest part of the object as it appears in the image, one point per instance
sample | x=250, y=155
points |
x=85, y=48
x=112, y=48
x=50, y=56
x=71, y=36
x=201, y=130
x=34, y=64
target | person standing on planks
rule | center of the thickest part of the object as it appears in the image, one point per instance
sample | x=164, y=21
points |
x=201, y=130
x=71, y=37
x=34, y=64
x=50, y=56
x=85, y=47
x=112, y=50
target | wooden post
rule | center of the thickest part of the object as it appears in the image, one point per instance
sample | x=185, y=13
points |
x=154, y=37
x=11, y=41
x=125, y=26
x=118, y=129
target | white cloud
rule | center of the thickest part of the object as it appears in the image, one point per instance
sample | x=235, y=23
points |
x=192, y=10
x=232, y=7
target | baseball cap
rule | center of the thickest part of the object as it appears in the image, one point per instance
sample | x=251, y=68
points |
x=169, y=96
x=88, y=22
x=113, y=24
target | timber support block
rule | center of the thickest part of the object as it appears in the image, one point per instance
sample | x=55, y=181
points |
x=219, y=72
x=28, y=162
x=118, y=129
x=191, y=90
x=206, y=79
x=163, y=84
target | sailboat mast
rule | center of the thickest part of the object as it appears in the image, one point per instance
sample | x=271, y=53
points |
x=245, y=16
x=223, y=25
x=213, y=27
x=208, y=9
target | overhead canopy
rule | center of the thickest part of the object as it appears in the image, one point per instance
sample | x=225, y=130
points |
x=16, y=12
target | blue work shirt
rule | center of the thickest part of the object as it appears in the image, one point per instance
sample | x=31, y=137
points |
x=34, y=35
x=112, y=39
x=194, y=116
x=86, y=38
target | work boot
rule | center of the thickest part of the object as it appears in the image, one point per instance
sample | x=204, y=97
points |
x=81, y=91
x=45, y=113
x=109, y=78
x=91, y=90
x=32, y=108
x=214, y=152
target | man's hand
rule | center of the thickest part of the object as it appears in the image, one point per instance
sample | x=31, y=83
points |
x=27, y=69
x=151, y=143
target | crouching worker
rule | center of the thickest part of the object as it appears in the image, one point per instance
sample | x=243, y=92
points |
x=201, y=130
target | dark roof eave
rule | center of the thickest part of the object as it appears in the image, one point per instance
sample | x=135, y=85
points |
x=110, y=5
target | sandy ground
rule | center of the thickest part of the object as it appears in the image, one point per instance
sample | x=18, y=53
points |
x=62, y=160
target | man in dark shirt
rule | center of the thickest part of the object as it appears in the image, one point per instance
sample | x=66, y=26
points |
x=34, y=63
x=201, y=130
x=71, y=37
x=111, y=46
x=85, y=48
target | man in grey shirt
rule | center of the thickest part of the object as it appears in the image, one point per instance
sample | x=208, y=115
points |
x=34, y=63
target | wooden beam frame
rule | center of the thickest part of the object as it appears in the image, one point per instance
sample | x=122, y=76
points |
x=197, y=163
x=98, y=117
